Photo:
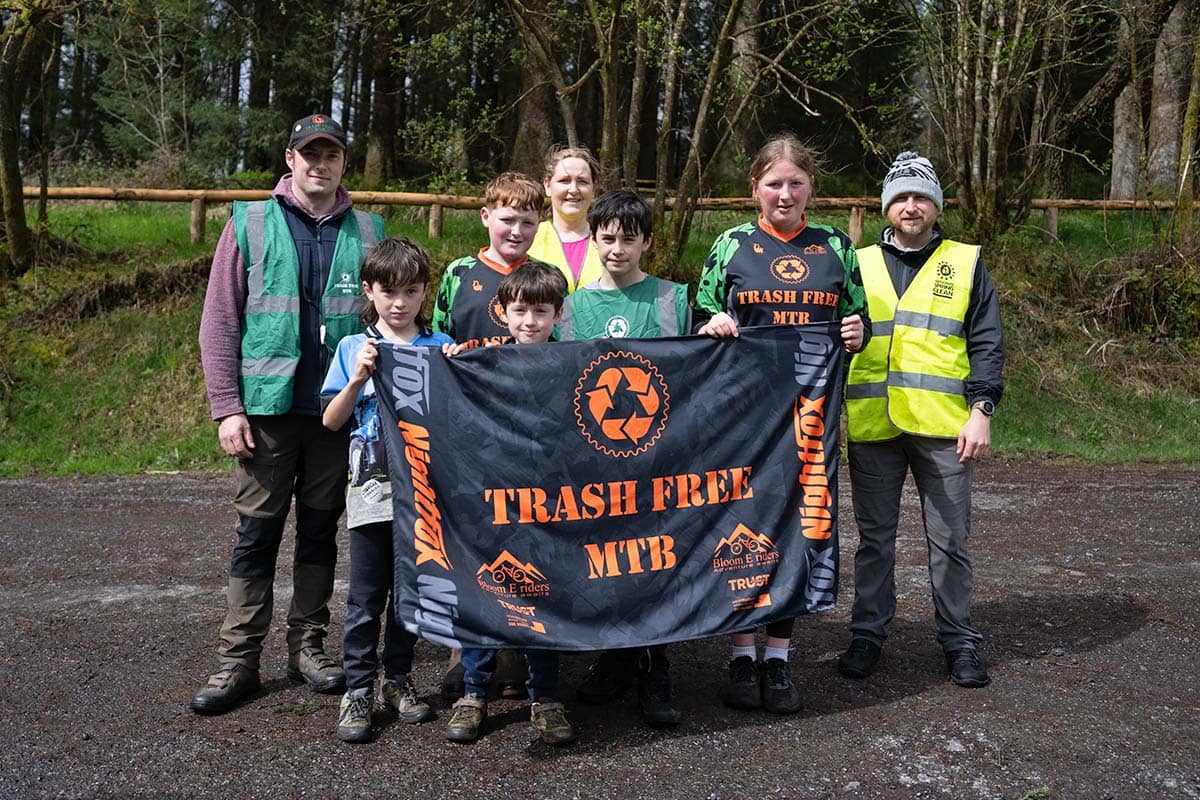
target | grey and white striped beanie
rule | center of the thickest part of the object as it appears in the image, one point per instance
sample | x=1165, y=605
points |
x=911, y=173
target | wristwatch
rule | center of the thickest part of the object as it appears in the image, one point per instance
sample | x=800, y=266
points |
x=986, y=406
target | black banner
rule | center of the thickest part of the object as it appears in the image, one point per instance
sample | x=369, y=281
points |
x=613, y=492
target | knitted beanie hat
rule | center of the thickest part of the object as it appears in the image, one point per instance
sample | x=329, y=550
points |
x=911, y=173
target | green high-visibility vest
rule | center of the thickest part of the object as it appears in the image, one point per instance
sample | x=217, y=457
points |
x=271, y=320
x=912, y=376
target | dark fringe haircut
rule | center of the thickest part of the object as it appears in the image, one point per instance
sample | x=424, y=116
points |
x=533, y=282
x=393, y=263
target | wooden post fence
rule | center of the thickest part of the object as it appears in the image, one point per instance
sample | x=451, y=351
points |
x=437, y=203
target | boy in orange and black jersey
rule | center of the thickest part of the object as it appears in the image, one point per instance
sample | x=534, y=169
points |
x=467, y=308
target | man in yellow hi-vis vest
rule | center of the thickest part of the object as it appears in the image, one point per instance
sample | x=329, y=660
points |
x=282, y=292
x=920, y=397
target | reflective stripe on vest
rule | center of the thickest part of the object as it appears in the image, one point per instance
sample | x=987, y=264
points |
x=271, y=320
x=911, y=377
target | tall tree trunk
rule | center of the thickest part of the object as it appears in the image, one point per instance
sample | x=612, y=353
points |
x=1189, y=159
x=637, y=91
x=20, y=42
x=1169, y=90
x=259, y=154
x=1127, y=148
x=534, y=134
x=729, y=168
x=387, y=104
x=49, y=103
x=666, y=130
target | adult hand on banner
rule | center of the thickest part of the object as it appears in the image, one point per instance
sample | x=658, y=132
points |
x=975, y=438
x=720, y=326
x=235, y=437
x=852, y=333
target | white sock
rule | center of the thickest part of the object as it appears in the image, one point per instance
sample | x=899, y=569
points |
x=747, y=650
x=775, y=652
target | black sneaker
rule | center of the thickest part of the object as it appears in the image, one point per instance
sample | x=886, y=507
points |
x=608, y=677
x=779, y=694
x=654, y=694
x=743, y=690
x=860, y=659
x=967, y=668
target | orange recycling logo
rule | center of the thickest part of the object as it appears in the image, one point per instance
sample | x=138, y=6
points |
x=622, y=404
x=790, y=269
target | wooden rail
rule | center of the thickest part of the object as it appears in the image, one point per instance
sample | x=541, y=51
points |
x=437, y=203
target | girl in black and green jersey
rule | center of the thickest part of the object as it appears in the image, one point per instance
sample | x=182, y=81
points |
x=779, y=270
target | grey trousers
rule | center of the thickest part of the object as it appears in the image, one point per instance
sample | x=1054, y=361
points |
x=877, y=473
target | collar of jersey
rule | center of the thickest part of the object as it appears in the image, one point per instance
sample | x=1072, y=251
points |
x=783, y=237
x=496, y=265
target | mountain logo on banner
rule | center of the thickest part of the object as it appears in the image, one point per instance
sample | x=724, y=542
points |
x=744, y=549
x=508, y=576
x=622, y=404
x=790, y=269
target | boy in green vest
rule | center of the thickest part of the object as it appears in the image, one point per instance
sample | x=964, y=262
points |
x=626, y=302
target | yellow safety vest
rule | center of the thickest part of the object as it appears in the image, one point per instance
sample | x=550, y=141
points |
x=912, y=375
x=547, y=247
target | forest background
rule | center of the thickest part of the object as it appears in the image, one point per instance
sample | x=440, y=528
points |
x=1012, y=99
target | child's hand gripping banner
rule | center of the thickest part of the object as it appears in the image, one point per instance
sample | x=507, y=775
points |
x=614, y=492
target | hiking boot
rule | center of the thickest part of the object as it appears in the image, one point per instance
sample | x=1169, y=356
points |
x=511, y=672
x=967, y=668
x=779, y=694
x=860, y=659
x=401, y=697
x=607, y=678
x=226, y=688
x=550, y=719
x=454, y=681
x=743, y=690
x=354, y=715
x=318, y=670
x=654, y=694
x=467, y=719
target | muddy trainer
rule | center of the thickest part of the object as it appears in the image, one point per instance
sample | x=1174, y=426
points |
x=920, y=397
x=284, y=289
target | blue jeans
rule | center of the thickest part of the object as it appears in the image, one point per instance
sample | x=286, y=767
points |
x=367, y=602
x=480, y=663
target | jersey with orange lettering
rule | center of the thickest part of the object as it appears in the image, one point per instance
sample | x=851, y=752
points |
x=466, y=308
x=760, y=277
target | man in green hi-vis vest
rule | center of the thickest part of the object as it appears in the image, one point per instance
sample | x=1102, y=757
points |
x=919, y=398
x=283, y=291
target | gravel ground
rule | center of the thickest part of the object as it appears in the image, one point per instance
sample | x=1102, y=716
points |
x=1086, y=587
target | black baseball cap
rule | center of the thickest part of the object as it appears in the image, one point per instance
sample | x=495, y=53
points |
x=316, y=126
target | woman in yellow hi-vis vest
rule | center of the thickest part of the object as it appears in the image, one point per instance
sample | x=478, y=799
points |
x=920, y=397
x=565, y=240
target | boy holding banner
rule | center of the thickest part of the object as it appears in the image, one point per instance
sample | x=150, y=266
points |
x=626, y=302
x=531, y=297
x=467, y=309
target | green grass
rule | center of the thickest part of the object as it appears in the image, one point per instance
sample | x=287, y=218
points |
x=100, y=373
